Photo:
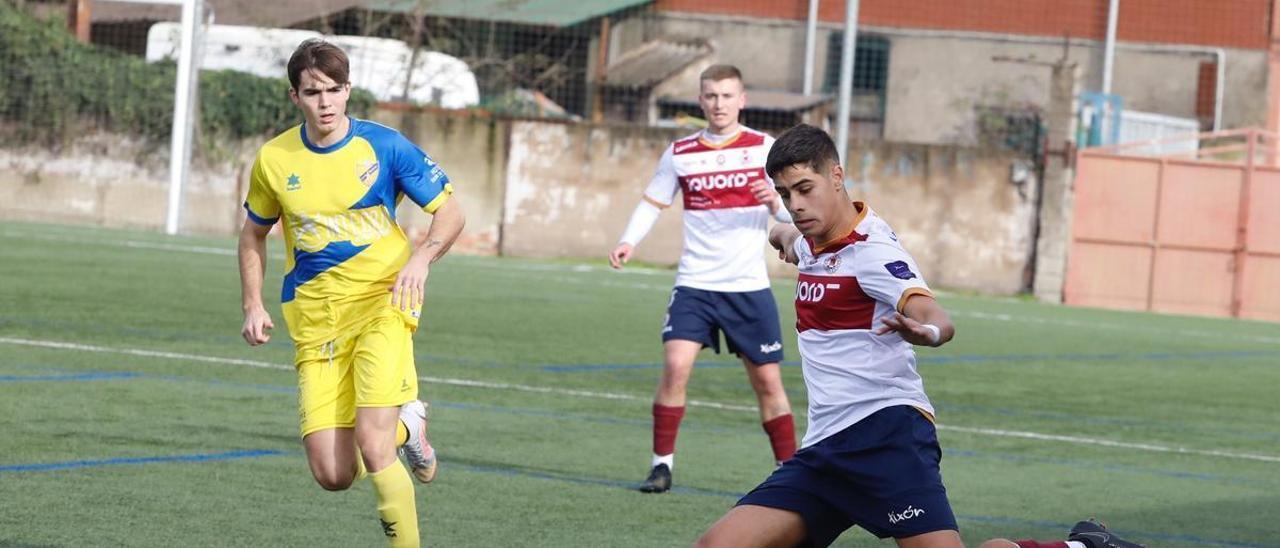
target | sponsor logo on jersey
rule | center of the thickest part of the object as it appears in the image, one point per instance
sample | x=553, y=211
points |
x=681, y=147
x=812, y=292
x=313, y=231
x=716, y=181
x=771, y=347
x=900, y=270
x=905, y=515
x=367, y=171
x=832, y=303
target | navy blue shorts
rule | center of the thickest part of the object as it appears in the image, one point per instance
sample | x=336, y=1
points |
x=748, y=319
x=880, y=474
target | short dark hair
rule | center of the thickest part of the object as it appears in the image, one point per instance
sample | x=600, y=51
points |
x=801, y=145
x=319, y=55
x=716, y=73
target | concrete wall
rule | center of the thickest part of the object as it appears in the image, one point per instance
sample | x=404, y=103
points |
x=935, y=82
x=936, y=78
x=571, y=189
x=555, y=189
x=956, y=210
x=472, y=149
x=111, y=181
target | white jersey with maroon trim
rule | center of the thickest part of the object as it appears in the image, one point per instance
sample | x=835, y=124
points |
x=724, y=225
x=844, y=289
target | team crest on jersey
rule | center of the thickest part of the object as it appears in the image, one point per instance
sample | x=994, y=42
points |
x=367, y=171
x=294, y=182
x=900, y=270
x=833, y=262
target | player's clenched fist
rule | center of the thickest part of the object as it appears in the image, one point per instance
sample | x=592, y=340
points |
x=257, y=327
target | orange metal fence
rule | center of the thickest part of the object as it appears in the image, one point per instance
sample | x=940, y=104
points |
x=1192, y=233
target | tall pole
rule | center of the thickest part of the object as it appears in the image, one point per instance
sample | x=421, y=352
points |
x=846, y=79
x=180, y=143
x=1109, y=53
x=810, y=39
x=79, y=19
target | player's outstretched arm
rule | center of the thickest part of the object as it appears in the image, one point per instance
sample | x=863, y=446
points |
x=446, y=224
x=253, y=259
x=922, y=322
x=783, y=237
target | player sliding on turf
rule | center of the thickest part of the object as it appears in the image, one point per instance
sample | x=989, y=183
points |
x=722, y=285
x=354, y=286
x=870, y=456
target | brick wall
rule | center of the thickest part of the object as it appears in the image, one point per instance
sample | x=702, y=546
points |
x=1228, y=23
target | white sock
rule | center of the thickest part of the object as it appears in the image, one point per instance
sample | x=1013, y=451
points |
x=1075, y=544
x=670, y=461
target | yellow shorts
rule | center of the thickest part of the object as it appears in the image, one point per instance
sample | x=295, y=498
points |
x=371, y=367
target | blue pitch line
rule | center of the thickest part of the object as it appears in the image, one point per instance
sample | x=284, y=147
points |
x=203, y=457
x=578, y=417
x=962, y=358
x=559, y=415
x=94, y=376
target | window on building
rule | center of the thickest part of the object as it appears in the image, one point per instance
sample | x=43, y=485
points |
x=870, y=81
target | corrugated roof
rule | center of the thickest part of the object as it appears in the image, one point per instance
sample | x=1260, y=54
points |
x=283, y=13
x=653, y=62
x=554, y=13
x=758, y=99
x=256, y=13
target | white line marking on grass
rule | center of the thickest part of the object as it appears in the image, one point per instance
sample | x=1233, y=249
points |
x=1107, y=443
x=139, y=352
x=631, y=397
x=1116, y=327
x=593, y=269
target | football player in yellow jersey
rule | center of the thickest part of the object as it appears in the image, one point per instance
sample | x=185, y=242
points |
x=354, y=284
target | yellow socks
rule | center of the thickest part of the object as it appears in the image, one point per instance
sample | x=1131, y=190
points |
x=402, y=433
x=361, y=470
x=396, y=505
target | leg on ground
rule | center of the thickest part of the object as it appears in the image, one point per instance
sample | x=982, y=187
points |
x=668, y=410
x=677, y=367
x=376, y=437
x=766, y=380
x=750, y=526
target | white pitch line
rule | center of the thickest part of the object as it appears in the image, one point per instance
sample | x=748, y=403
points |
x=631, y=397
x=1107, y=443
x=581, y=268
x=1116, y=327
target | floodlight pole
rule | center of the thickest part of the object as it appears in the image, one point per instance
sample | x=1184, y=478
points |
x=1109, y=50
x=810, y=39
x=846, y=80
x=180, y=147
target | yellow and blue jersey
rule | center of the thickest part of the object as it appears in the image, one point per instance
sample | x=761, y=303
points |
x=338, y=208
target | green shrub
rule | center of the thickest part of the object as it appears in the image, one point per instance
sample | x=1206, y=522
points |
x=54, y=87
